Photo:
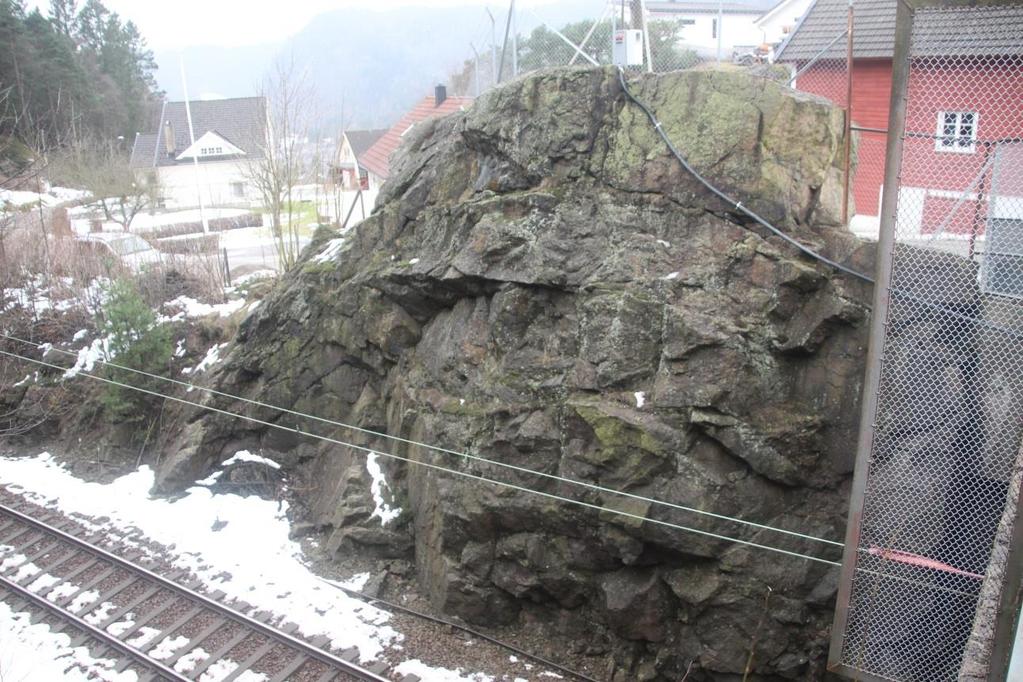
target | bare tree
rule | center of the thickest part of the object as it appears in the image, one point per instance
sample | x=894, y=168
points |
x=102, y=168
x=289, y=112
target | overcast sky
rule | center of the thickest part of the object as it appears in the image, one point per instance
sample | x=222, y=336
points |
x=181, y=23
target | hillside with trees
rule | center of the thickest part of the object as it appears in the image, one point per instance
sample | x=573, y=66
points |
x=76, y=73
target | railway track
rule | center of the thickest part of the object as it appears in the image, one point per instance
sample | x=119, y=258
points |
x=150, y=623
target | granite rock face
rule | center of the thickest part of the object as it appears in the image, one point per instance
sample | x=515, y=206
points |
x=544, y=286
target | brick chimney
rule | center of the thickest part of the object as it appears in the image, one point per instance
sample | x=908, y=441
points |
x=440, y=93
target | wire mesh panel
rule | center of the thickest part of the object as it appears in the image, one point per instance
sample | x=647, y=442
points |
x=943, y=473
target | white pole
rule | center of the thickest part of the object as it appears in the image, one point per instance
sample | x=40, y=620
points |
x=646, y=38
x=191, y=138
x=476, y=70
x=514, y=42
x=493, y=48
x=721, y=26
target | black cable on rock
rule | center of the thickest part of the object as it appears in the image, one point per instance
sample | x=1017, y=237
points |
x=737, y=205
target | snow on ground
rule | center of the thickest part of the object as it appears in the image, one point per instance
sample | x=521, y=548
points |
x=239, y=545
x=31, y=653
x=640, y=398
x=189, y=307
x=425, y=672
x=52, y=197
x=146, y=221
x=59, y=294
x=268, y=573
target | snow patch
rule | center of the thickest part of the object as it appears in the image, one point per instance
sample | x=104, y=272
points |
x=330, y=251
x=378, y=482
x=640, y=398
x=83, y=600
x=97, y=351
x=119, y=627
x=167, y=647
x=144, y=636
x=212, y=358
x=672, y=275
x=426, y=672
x=269, y=574
x=101, y=614
x=663, y=243
x=246, y=456
x=189, y=307
x=194, y=657
x=32, y=653
x=357, y=582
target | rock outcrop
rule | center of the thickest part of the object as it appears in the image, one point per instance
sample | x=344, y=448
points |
x=543, y=285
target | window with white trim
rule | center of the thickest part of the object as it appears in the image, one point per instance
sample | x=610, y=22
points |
x=957, y=132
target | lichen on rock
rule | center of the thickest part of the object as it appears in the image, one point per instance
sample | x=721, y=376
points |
x=532, y=265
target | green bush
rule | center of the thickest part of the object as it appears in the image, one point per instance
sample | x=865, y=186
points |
x=136, y=340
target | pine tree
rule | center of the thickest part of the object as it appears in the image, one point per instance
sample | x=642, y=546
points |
x=62, y=14
x=75, y=74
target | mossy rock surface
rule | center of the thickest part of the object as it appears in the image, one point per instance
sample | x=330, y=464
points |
x=543, y=285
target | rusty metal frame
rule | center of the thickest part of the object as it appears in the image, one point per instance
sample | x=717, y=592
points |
x=1010, y=604
x=879, y=322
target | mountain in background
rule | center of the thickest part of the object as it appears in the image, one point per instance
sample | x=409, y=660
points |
x=368, y=66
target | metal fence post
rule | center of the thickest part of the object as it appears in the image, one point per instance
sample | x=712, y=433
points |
x=878, y=323
x=847, y=161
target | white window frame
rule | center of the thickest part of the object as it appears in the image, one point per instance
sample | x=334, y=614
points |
x=955, y=147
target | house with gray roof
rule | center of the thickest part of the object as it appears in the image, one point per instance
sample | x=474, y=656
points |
x=967, y=85
x=212, y=155
x=346, y=169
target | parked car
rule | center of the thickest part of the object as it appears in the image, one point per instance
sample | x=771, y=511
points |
x=123, y=248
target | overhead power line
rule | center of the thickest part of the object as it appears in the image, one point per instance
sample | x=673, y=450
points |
x=429, y=465
x=436, y=448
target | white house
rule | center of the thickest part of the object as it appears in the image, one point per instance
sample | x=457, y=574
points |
x=348, y=172
x=781, y=20
x=230, y=136
x=739, y=30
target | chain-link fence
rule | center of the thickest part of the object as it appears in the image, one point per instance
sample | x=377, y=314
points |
x=927, y=591
x=516, y=42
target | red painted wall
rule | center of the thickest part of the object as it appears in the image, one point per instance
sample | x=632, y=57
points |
x=872, y=85
x=991, y=87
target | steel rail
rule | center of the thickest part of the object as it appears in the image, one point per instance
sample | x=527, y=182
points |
x=241, y=619
x=106, y=638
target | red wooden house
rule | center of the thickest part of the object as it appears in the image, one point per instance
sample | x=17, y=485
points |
x=964, y=117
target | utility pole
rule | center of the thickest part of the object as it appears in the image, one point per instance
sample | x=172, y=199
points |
x=636, y=13
x=493, y=47
x=191, y=138
x=476, y=71
x=514, y=41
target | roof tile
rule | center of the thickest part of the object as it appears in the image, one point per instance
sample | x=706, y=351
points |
x=377, y=158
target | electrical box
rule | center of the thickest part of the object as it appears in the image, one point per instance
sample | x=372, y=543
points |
x=628, y=47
